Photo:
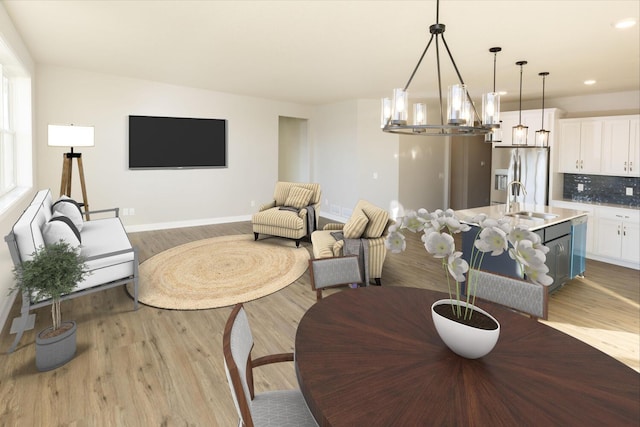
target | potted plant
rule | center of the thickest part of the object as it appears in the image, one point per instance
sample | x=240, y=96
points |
x=473, y=331
x=53, y=271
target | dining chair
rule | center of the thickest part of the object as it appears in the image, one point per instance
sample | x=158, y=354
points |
x=333, y=272
x=520, y=295
x=280, y=408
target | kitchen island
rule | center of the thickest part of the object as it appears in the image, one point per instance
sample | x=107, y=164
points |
x=562, y=230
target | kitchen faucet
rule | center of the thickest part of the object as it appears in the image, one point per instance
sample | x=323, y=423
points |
x=511, y=190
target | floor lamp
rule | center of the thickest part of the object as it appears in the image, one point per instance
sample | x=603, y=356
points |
x=72, y=136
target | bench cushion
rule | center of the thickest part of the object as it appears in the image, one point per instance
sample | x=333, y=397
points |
x=103, y=236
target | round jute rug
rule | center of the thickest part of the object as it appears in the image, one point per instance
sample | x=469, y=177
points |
x=219, y=272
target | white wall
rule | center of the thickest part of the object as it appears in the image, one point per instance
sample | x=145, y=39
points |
x=160, y=198
x=605, y=104
x=349, y=148
x=335, y=156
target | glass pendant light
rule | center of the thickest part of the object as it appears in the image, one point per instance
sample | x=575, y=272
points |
x=419, y=114
x=542, y=135
x=399, y=106
x=491, y=106
x=519, y=132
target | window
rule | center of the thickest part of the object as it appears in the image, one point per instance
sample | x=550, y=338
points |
x=16, y=127
x=8, y=157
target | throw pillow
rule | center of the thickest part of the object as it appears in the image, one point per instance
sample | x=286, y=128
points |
x=61, y=228
x=68, y=207
x=298, y=197
x=354, y=228
x=377, y=221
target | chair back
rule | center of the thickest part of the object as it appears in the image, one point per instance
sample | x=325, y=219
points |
x=237, y=342
x=520, y=295
x=334, y=271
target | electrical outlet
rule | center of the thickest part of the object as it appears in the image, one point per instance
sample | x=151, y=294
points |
x=580, y=187
x=375, y=175
x=125, y=211
x=253, y=203
x=629, y=191
x=132, y=211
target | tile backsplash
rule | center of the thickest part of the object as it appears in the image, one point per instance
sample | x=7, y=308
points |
x=602, y=189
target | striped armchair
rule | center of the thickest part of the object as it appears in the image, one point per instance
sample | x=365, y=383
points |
x=367, y=222
x=292, y=213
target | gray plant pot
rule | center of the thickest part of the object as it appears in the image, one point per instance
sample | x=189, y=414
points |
x=51, y=353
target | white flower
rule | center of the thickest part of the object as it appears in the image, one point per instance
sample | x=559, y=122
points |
x=440, y=245
x=395, y=241
x=492, y=239
x=538, y=275
x=478, y=219
x=413, y=222
x=455, y=226
x=457, y=266
x=524, y=253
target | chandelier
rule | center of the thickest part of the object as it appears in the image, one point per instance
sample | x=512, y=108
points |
x=462, y=116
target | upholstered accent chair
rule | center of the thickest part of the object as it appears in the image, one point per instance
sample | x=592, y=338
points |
x=333, y=272
x=367, y=226
x=519, y=295
x=292, y=213
x=280, y=408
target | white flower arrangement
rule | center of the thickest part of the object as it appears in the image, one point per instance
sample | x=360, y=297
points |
x=495, y=236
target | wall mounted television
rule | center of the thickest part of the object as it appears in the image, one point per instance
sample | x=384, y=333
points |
x=177, y=142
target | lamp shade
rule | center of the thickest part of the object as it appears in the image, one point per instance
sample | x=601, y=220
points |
x=70, y=136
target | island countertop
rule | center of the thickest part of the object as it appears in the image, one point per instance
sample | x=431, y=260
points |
x=500, y=212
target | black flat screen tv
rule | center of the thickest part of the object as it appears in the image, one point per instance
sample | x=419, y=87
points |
x=176, y=142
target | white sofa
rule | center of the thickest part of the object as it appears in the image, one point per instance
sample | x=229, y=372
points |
x=110, y=258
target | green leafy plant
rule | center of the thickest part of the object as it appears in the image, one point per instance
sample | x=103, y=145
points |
x=53, y=272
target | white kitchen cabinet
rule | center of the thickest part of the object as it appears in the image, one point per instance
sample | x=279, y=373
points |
x=620, y=147
x=618, y=234
x=580, y=145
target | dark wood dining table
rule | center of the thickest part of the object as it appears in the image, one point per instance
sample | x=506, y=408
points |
x=372, y=357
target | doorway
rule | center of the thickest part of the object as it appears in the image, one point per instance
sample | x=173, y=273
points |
x=293, y=150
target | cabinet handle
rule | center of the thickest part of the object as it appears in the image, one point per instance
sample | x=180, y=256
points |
x=618, y=230
x=618, y=216
x=577, y=167
x=630, y=166
x=625, y=166
x=581, y=164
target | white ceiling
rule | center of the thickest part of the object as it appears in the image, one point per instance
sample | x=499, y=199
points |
x=322, y=51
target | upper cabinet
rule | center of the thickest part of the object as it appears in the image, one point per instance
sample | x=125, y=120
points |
x=620, y=147
x=530, y=118
x=580, y=145
x=600, y=146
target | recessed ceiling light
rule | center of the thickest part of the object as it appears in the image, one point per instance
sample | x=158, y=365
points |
x=589, y=82
x=625, y=23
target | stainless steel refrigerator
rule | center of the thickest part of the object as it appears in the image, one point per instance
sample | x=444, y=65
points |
x=529, y=165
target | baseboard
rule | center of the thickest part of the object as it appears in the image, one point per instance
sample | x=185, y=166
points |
x=5, y=309
x=336, y=218
x=614, y=261
x=182, y=224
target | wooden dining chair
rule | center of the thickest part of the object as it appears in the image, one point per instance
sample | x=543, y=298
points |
x=273, y=408
x=333, y=272
x=520, y=295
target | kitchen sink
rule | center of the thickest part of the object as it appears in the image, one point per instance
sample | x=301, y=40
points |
x=530, y=214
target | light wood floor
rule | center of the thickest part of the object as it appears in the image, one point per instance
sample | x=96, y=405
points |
x=156, y=367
